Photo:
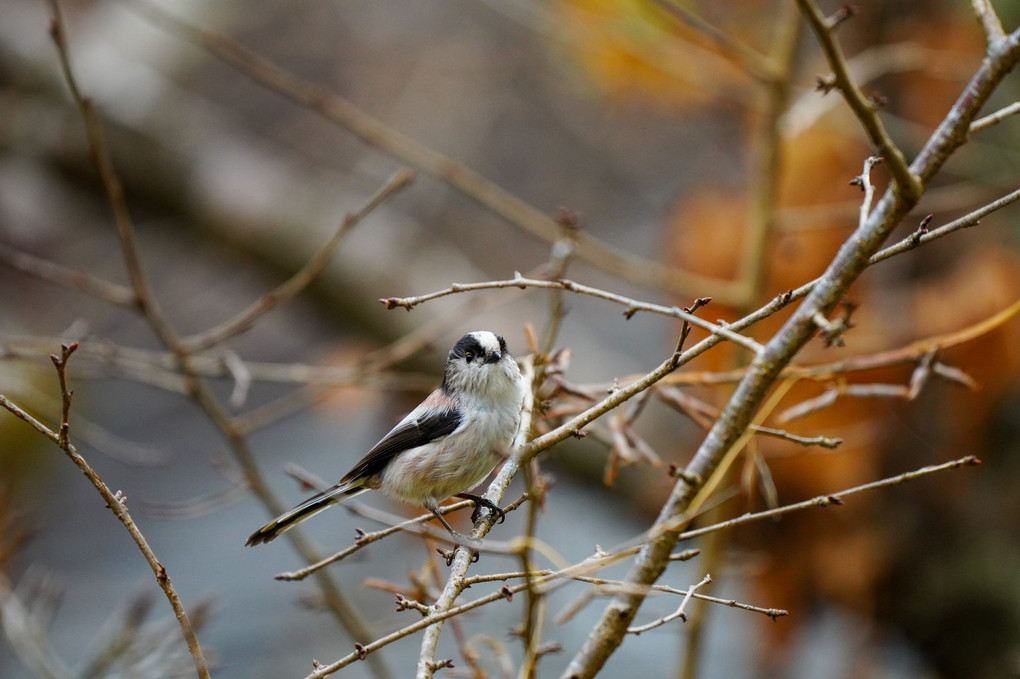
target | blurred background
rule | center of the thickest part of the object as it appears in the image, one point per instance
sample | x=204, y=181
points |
x=661, y=140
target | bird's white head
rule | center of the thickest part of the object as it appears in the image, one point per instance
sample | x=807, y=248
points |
x=480, y=365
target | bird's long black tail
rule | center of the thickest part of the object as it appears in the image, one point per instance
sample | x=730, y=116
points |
x=312, y=505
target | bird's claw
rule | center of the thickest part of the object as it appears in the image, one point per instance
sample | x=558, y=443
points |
x=484, y=502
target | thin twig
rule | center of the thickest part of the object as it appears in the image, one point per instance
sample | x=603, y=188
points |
x=972, y=219
x=830, y=499
x=609, y=586
x=632, y=305
x=71, y=278
x=995, y=118
x=693, y=407
x=578, y=571
x=680, y=612
x=909, y=184
x=365, y=539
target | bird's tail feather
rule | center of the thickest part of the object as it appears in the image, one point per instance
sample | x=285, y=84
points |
x=312, y=505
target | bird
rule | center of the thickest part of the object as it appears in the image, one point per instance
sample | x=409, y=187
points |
x=444, y=447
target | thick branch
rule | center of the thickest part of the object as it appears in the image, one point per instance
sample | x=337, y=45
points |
x=852, y=258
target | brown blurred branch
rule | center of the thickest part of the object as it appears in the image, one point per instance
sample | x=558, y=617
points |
x=766, y=155
x=304, y=277
x=167, y=335
x=371, y=131
x=71, y=278
x=749, y=60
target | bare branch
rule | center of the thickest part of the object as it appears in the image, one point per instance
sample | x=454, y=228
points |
x=752, y=62
x=602, y=585
x=694, y=407
x=995, y=118
x=117, y=504
x=989, y=20
x=71, y=278
x=632, y=306
x=968, y=220
x=365, y=539
x=907, y=181
x=167, y=335
x=471, y=184
x=729, y=431
x=680, y=612
x=832, y=498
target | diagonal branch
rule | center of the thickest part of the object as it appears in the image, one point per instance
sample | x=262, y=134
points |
x=995, y=118
x=147, y=304
x=989, y=20
x=71, y=278
x=853, y=257
x=115, y=501
x=373, y=132
x=300, y=280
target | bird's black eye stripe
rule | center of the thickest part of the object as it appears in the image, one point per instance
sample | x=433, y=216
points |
x=502, y=344
x=468, y=348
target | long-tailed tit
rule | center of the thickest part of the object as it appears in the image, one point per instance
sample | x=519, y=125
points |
x=444, y=447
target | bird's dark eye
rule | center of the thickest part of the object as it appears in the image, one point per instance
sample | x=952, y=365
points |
x=468, y=356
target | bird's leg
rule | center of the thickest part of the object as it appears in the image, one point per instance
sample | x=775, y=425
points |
x=483, y=502
x=464, y=540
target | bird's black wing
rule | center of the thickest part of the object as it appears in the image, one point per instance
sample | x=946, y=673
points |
x=406, y=435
